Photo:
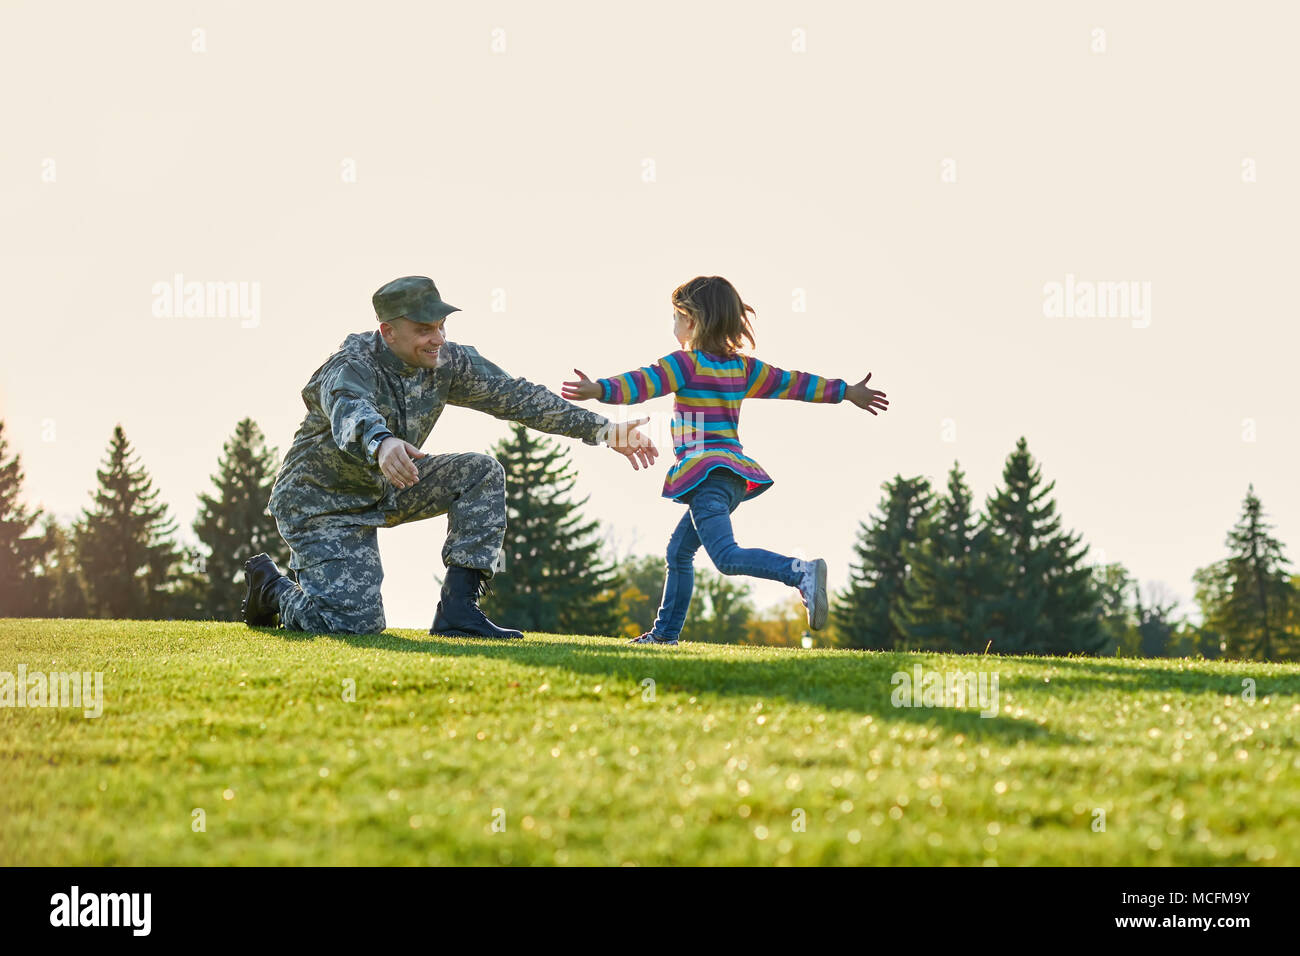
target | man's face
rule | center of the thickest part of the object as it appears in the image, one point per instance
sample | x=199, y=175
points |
x=415, y=343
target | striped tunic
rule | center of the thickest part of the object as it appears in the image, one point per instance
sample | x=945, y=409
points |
x=708, y=390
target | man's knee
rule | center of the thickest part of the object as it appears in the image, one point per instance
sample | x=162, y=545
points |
x=476, y=476
x=344, y=595
x=316, y=615
x=488, y=468
x=363, y=623
x=348, y=618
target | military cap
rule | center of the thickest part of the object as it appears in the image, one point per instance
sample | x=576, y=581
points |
x=415, y=297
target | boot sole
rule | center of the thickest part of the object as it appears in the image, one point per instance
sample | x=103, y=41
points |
x=489, y=637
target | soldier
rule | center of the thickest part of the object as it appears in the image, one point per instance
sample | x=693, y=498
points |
x=356, y=466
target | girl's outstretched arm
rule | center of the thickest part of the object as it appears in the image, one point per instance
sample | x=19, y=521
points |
x=768, y=381
x=631, y=388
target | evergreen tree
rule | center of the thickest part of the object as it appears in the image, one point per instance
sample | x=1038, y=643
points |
x=234, y=524
x=1247, y=597
x=20, y=552
x=1189, y=640
x=123, y=543
x=1293, y=607
x=185, y=594
x=555, y=579
x=1115, y=587
x=1050, y=605
x=60, y=589
x=864, y=615
x=1157, y=631
x=956, y=574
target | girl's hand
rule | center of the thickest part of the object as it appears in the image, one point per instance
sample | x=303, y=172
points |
x=864, y=397
x=582, y=389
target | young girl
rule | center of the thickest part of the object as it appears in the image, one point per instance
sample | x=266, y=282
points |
x=712, y=475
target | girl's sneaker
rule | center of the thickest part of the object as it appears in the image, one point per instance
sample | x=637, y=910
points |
x=650, y=637
x=812, y=588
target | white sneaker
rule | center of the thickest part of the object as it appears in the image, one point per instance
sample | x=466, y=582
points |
x=812, y=588
x=650, y=637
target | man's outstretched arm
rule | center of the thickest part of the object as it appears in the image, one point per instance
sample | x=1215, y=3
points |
x=477, y=383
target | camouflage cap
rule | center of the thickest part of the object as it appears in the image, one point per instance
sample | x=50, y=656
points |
x=415, y=297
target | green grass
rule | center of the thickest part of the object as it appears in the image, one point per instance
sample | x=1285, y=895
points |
x=251, y=727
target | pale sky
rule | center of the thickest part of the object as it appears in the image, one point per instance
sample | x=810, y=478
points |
x=891, y=186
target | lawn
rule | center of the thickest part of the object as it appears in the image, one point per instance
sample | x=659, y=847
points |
x=219, y=744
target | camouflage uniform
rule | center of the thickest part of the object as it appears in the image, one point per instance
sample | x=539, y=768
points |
x=330, y=497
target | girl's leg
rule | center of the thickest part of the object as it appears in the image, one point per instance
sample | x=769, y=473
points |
x=710, y=511
x=679, y=579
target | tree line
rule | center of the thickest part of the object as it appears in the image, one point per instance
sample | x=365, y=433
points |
x=930, y=571
x=120, y=558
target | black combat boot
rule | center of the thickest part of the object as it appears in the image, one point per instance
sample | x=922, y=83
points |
x=458, y=613
x=265, y=583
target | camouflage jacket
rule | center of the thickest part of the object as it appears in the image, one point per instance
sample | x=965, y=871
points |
x=364, y=389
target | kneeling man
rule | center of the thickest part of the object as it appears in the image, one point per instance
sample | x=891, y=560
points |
x=356, y=466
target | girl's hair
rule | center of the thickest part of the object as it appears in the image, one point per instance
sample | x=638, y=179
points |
x=720, y=320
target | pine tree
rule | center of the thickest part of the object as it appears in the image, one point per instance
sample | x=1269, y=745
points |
x=956, y=575
x=1293, y=607
x=1157, y=631
x=864, y=615
x=234, y=524
x=61, y=592
x=123, y=543
x=20, y=552
x=1050, y=605
x=1115, y=587
x=555, y=579
x=1247, y=597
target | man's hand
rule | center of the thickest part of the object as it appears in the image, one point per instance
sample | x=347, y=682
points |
x=395, y=462
x=868, y=398
x=581, y=390
x=624, y=438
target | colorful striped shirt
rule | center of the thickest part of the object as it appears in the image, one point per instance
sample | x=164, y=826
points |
x=708, y=391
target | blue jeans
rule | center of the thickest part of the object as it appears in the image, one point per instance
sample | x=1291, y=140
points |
x=707, y=522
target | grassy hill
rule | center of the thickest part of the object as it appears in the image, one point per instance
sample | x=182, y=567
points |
x=554, y=740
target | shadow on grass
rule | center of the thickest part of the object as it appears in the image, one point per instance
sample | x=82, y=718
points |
x=856, y=683
x=1092, y=674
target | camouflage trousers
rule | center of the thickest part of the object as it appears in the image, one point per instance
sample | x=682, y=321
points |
x=339, y=572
